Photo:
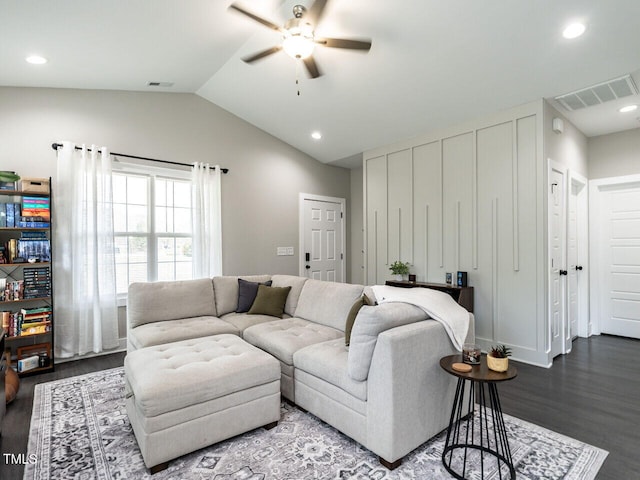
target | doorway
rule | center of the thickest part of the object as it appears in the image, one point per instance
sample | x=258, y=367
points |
x=557, y=270
x=322, y=237
x=615, y=253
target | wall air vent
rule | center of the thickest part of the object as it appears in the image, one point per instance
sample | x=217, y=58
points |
x=160, y=84
x=597, y=94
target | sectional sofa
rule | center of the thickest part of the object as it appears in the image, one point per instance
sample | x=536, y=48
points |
x=385, y=390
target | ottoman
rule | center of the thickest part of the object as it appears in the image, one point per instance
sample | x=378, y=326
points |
x=186, y=395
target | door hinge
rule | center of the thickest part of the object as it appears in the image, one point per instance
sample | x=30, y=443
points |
x=341, y=256
x=340, y=214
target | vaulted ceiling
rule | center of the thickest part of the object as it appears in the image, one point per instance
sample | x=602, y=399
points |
x=433, y=63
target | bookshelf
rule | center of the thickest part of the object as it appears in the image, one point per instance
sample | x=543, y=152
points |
x=26, y=279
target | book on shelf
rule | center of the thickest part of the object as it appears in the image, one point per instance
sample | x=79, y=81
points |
x=16, y=325
x=35, y=310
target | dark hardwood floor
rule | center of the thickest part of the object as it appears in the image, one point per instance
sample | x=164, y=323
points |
x=592, y=394
x=15, y=429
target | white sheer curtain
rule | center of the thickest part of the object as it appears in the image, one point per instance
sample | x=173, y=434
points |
x=207, y=221
x=85, y=284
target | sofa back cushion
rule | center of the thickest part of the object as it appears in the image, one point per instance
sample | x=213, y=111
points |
x=296, y=284
x=370, y=322
x=159, y=301
x=327, y=303
x=226, y=288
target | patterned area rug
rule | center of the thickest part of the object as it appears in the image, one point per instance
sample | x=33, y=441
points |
x=80, y=430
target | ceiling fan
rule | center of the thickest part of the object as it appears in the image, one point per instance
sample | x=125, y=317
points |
x=298, y=37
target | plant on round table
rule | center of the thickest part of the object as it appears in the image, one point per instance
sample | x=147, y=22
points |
x=498, y=358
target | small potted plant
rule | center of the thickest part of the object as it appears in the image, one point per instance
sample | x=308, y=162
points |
x=498, y=358
x=399, y=269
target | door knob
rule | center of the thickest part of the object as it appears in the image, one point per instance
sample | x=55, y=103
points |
x=307, y=267
x=562, y=272
x=578, y=267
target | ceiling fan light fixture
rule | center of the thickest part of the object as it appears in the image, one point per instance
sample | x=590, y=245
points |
x=298, y=46
x=298, y=37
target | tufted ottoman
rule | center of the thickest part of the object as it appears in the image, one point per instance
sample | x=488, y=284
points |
x=186, y=395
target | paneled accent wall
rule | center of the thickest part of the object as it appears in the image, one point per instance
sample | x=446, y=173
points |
x=467, y=199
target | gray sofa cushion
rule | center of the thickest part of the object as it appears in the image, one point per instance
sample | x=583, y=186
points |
x=158, y=333
x=226, y=288
x=369, y=323
x=282, y=338
x=328, y=361
x=159, y=301
x=242, y=321
x=327, y=303
x=195, y=371
x=296, y=284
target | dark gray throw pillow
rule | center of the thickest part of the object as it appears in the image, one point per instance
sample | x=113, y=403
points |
x=247, y=292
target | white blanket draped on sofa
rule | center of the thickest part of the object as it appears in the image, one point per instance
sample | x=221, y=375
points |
x=438, y=305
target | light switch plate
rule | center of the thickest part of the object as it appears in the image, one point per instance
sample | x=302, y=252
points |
x=289, y=250
x=281, y=251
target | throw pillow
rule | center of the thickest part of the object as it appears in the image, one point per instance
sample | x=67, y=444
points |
x=270, y=301
x=353, y=313
x=247, y=292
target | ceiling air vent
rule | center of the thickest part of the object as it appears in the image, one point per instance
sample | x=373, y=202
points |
x=597, y=94
x=160, y=84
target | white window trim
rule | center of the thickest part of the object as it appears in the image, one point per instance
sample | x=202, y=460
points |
x=177, y=173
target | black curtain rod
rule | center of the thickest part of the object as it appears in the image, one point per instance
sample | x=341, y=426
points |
x=55, y=146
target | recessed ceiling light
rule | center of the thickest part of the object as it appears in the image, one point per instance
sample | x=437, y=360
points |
x=36, y=59
x=316, y=135
x=574, y=30
x=628, y=108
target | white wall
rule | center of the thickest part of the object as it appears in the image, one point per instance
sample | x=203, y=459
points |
x=614, y=155
x=569, y=148
x=469, y=198
x=260, y=194
x=357, y=234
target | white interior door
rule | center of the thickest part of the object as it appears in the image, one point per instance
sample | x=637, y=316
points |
x=577, y=248
x=557, y=265
x=617, y=233
x=322, y=238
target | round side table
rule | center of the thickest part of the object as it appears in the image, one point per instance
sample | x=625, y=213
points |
x=469, y=436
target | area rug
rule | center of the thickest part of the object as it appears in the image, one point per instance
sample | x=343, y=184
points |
x=80, y=430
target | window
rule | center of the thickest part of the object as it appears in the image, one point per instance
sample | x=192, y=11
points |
x=152, y=228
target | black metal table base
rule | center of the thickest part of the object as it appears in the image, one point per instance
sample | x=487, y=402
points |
x=469, y=436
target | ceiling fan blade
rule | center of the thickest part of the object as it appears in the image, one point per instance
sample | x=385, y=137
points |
x=344, y=43
x=262, y=54
x=312, y=67
x=314, y=12
x=255, y=17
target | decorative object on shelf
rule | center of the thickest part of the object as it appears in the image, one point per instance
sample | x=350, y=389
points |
x=462, y=279
x=448, y=277
x=471, y=353
x=412, y=277
x=8, y=180
x=498, y=358
x=399, y=269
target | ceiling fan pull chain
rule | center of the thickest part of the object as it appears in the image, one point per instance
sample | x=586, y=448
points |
x=298, y=76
